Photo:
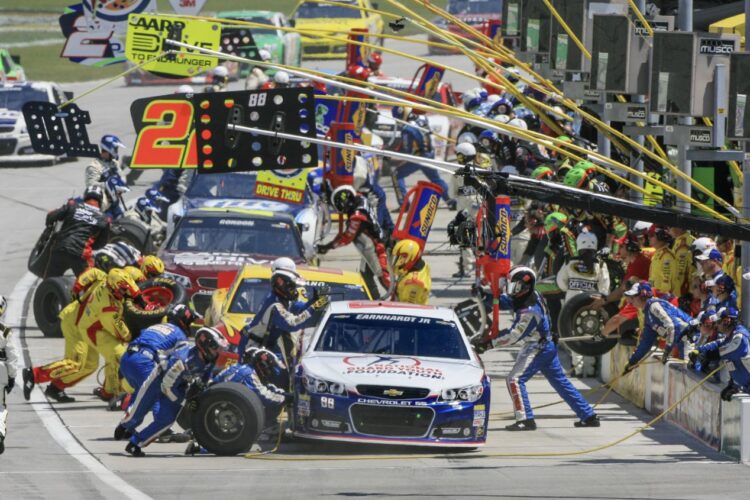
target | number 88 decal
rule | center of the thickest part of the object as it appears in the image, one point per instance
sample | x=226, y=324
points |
x=168, y=141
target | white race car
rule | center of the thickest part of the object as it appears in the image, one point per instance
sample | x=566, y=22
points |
x=15, y=144
x=392, y=373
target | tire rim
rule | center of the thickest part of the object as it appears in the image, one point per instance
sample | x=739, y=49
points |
x=156, y=297
x=589, y=322
x=224, y=421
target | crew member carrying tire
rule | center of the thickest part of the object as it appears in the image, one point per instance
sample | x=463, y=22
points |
x=8, y=367
x=362, y=229
x=413, y=279
x=531, y=329
x=185, y=374
x=84, y=229
x=584, y=273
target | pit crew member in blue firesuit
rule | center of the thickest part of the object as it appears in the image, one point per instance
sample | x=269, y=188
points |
x=140, y=363
x=660, y=319
x=531, y=330
x=416, y=139
x=281, y=315
x=183, y=376
x=734, y=348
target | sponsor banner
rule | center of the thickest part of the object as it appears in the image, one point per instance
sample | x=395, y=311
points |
x=500, y=247
x=352, y=112
x=215, y=259
x=325, y=113
x=165, y=135
x=287, y=186
x=418, y=211
x=341, y=170
x=187, y=7
x=356, y=55
x=147, y=35
x=429, y=82
x=91, y=40
x=390, y=365
x=716, y=46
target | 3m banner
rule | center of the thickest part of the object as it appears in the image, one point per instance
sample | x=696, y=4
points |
x=418, y=211
x=187, y=7
x=146, y=39
x=287, y=186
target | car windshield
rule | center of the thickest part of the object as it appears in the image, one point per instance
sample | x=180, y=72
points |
x=262, y=237
x=252, y=291
x=234, y=185
x=13, y=98
x=315, y=10
x=458, y=7
x=259, y=20
x=392, y=334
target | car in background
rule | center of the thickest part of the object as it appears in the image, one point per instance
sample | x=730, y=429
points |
x=15, y=143
x=334, y=20
x=240, y=294
x=475, y=13
x=285, y=47
x=143, y=77
x=208, y=241
x=443, y=125
x=240, y=190
x=390, y=373
x=10, y=68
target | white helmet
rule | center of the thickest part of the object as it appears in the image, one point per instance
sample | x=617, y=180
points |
x=587, y=241
x=3, y=305
x=465, y=152
x=493, y=98
x=700, y=245
x=518, y=123
x=185, y=89
x=283, y=264
x=502, y=118
x=264, y=55
x=281, y=78
x=221, y=71
x=642, y=227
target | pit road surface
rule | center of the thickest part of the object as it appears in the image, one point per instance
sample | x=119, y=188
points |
x=67, y=451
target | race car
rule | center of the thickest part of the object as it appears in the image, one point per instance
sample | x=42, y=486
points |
x=337, y=20
x=390, y=131
x=10, y=67
x=285, y=47
x=390, y=373
x=208, y=241
x=143, y=77
x=15, y=144
x=472, y=12
x=259, y=191
x=240, y=294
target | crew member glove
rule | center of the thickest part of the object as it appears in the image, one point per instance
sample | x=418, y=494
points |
x=729, y=391
x=323, y=249
x=321, y=303
x=11, y=385
x=320, y=291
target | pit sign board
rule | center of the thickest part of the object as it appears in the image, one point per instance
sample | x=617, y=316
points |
x=146, y=39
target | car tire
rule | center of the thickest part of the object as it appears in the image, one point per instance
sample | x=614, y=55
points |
x=50, y=297
x=229, y=419
x=159, y=294
x=40, y=254
x=131, y=232
x=576, y=318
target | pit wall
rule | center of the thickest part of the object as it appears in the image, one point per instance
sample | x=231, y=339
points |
x=725, y=426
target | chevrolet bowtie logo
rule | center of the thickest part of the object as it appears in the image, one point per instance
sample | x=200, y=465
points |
x=392, y=393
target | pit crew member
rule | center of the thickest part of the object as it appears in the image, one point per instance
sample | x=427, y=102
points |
x=8, y=367
x=413, y=279
x=109, y=159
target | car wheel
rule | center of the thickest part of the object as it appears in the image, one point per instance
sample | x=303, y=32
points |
x=158, y=294
x=576, y=319
x=229, y=419
x=51, y=296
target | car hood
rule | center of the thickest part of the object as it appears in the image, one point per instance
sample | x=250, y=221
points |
x=399, y=371
x=208, y=262
x=254, y=204
x=9, y=117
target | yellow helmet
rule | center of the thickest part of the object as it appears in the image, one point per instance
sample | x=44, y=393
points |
x=405, y=254
x=152, y=266
x=135, y=273
x=121, y=284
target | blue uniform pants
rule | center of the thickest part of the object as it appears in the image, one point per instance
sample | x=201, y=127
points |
x=534, y=358
x=165, y=415
x=407, y=169
x=384, y=217
x=135, y=367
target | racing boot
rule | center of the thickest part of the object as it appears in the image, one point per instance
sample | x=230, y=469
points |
x=58, y=395
x=522, y=425
x=100, y=393
x=28, y=382
x=121, y=433
x=592, y=421
x=117, y=403
x=452, y=204
x=134, y=450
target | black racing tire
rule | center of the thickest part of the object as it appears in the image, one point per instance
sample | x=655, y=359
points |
x=50, y=297
x=132, y=232
x=185, y=418
x=229, y=419
x=40, y=254
x=576, y=318
x=159, y=294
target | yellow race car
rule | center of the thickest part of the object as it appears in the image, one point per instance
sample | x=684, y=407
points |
x=240, y=294
x=334, y=20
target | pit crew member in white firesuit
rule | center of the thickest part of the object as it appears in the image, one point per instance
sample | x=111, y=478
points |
x=583, y=273
x=257, y=77
x=281, y=315
x=219, y=80
x=8, y=367
x=109, y=158
x=531, y=330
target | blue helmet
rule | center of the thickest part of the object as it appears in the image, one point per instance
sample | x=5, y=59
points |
x=144, y=206
x=502, y=106
x=397, y=112
x=111, y=144
x=489, y=138
x=155, y=195
x=729, y=313
x=114, y=186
